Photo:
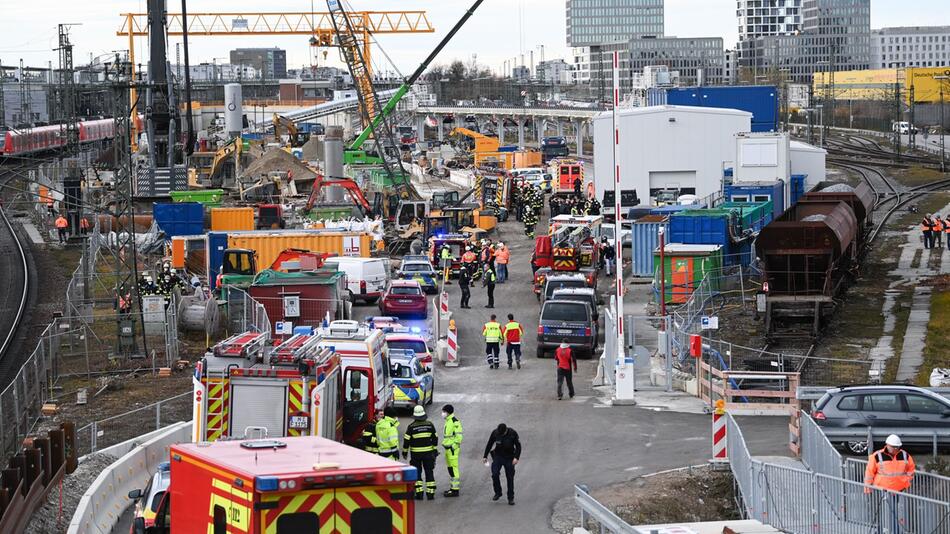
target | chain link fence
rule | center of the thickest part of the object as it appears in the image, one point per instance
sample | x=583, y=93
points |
x=245, y=314
x=110, y=431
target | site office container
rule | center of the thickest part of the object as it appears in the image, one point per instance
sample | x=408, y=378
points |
x=684, y=268
x=715, y=226
x=759, y=100
x=269, y=244
x=773, y=192
x=185, y=218
x=286, y=485
x=645, y=238
x=233, y=219
x=303, y=299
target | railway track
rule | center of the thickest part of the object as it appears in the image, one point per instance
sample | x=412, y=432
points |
x=15, y=282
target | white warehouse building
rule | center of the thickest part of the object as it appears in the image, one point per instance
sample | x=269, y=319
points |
x=668, y=147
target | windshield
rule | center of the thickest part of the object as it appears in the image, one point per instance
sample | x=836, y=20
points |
x=403, y=290
x=417, y=268
x=559, y=284
x=401, y=371
x=418, y=347
x=564, y=311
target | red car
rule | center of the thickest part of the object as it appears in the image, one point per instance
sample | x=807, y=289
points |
x=404, y=298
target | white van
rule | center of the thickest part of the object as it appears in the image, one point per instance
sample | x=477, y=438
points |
x=366, y=278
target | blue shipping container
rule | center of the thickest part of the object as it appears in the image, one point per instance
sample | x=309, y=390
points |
x=656, y=96
x=759, y=100
x=758, y=192
x=710, y=230
x=798, y=188
x=670, y=209
x=645, y=238
x=217, y=244
x=179, y=218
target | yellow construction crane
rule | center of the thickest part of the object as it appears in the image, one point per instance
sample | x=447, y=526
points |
x=317, y=25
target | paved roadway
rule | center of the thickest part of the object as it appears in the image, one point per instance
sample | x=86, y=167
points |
x=565, y=442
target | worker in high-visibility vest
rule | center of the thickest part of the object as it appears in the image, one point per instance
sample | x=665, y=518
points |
x=891, y=469
x=939, y=225
x=62, y=226
x=446, y=264
x=513, y=333
x=387, y=434
x=492, y=333
x=502, y=256
x=926, y=227
x=452, y=443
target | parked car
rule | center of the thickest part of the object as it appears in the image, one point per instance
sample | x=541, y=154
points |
x=607, y=231
x=419, y=268
x=581, y=294
x=564, y=281
x=896, y=407
x=566, y=319
x=413, y=384
x=148, y=499
x=541, y=180
x=365, y=277
x=404, y=298
x=413, y=342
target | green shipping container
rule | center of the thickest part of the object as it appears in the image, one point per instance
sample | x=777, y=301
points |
x=685, y=266
x=211, y=198
x=331, y=213
x=754, y=215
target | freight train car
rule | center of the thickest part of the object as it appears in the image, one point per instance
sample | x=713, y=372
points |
x=808, y=255
x=860, y=198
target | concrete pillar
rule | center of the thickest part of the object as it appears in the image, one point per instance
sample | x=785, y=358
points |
x=500, y=121
x=579, y=135
x=333, y=160
x=420, y=128
x=439, y=119
x=560, y=128
x=521, y=126
x=539, y=128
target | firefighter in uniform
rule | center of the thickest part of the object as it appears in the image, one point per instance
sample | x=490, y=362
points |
x=530, y=219
x=387, y=434
x=420, y=445
x=492, y=333
x=446, y=256
x=537, y=199
x=891, y=469
x=452, y=442
x=368, y=440
x=465, y=284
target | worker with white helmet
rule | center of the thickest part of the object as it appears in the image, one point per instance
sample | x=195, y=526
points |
x=502, y=255
x=890, y=468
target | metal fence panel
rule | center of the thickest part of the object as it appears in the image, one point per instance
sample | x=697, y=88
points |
x=928, y=485
x=817, y=452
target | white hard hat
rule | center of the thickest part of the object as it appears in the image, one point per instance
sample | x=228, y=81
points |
x=418, y=411
x=893, y=440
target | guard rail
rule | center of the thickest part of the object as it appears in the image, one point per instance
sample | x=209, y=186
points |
x=107, y=498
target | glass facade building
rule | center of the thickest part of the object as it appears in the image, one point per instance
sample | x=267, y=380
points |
x=688, y=55
x=914, y=46
x=592, y=22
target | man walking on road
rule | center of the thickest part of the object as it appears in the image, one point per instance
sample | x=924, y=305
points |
x=489, y=283
x=492, y=333
x=465, y=284
x=502, y=255
x=419, y=444
x=452, y=442
x=892, y=469
x=505, y=449
x=566, y=364
x=61, y=225
x=513, y=334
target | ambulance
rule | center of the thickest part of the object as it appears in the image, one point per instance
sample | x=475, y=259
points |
x=247, y=387
x=290, y=485
x=364, y=360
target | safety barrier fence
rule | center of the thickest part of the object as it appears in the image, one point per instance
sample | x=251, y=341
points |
x=803, y=502
x=818, y=454
x=593, y=510
x=104, y=502
x=748, y=392
x=106, y=432
x=929, y=485
x=246, y=314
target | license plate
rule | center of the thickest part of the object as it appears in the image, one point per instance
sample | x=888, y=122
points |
x=299, y=422
x=565, y=331
x=405, y=301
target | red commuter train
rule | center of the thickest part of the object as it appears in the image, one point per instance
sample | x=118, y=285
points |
x=28, y=141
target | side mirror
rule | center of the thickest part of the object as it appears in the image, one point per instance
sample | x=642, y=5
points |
x=138, y=525
x=135, y=494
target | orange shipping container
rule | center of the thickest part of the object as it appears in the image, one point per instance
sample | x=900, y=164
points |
x=232, y=219
x=270, y=244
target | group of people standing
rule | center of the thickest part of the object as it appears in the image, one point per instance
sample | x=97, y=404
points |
x=489, y=264
x=420, y=445
x=933, y=228
x=528, y=201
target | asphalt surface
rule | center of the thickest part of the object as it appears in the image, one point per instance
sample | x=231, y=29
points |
x=567, y=442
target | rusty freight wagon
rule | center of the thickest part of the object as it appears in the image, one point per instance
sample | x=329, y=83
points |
x=808, y=254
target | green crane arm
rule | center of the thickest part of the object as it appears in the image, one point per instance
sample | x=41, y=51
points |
x=404, y=88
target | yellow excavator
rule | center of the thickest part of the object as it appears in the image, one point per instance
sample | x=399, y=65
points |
x=282, y=122
x=210, y=174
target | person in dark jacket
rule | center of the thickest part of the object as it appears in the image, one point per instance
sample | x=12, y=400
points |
x=465, y=284
x=505, y=449
x=420, y=445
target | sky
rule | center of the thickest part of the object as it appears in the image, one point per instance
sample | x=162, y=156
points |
x=499, y=29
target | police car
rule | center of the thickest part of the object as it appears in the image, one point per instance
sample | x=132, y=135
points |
x=148, y=499
x=419, y=268
x=412, y=384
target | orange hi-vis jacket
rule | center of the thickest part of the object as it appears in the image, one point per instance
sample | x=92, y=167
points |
x=469, y=257
x=61, y=222
x=502, y=256
x=926, y=225
x=890, y=472
x=938, y=225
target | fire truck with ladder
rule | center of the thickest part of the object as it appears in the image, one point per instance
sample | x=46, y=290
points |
x=287, y=485
x=572, y=245
x=247, y=387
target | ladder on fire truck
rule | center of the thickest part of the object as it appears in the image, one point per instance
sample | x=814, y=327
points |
x=299, y=349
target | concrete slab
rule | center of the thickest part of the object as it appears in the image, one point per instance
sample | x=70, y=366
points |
x=915, y=338
x=33, y=233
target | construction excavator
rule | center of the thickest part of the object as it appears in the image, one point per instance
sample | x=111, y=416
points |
x=281, y=122
x=354, y=191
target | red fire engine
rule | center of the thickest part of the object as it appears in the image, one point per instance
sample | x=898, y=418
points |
x=284, y=486
x=573, y=245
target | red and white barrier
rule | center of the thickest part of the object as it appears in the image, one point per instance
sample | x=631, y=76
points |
x=452, y=353
x=719, y=434
x=444, y=303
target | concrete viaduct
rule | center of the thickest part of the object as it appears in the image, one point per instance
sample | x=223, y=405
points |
x=578, y=121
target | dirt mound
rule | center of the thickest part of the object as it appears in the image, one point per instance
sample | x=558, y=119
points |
x=313, y=149
x=279, y=160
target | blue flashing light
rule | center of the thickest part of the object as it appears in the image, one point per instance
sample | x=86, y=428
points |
x=267, y=483
x=415, y=330
x=410, y=474
x=164, y=466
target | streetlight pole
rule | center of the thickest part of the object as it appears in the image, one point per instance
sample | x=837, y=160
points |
x=943, y=130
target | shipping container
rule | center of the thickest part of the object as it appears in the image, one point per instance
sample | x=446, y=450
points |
x=645, y=238
x=184, y=218
x=759, y=100
x=753, y=215
x=190, y=252
x=208, y=197
x=333, y=212
x=797, y=187
x=722, y=227
x=269, y=244
x=233, y=219
x=303, y=299
x=773, y=192
x=656, y=96
x=684, y=267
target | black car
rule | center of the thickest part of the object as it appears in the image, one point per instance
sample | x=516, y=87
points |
x=892, y=407
x=567, y=319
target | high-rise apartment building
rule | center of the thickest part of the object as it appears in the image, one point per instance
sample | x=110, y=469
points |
x=271, y=62
x=910, y=46
x=759, y=18
x=592, y=22
x=698, y=59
